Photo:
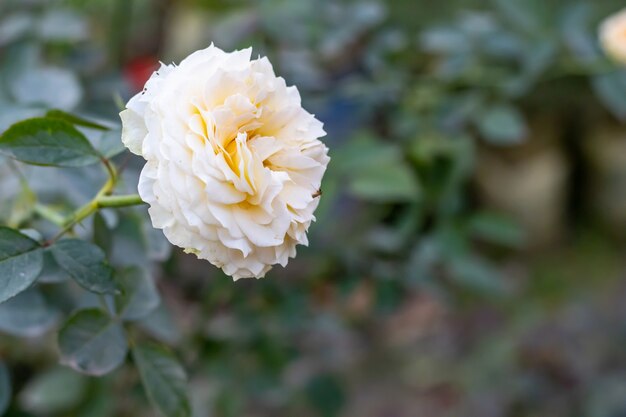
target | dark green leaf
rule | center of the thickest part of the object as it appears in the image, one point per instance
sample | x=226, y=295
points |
x=160, y=325
x=27, y=315
x=101, y=233
x=163, y=379
x=75, y=120
x=5, y=388
x=21, y=261
x=55, y=391
x=99, y=404
x=52, y=272
x=129, y=242
x=139, y=297
x=92, y=342
x=47, y=141
x=86, y=264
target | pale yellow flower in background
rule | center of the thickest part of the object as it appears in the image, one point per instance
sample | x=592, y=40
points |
x=233, y=161
x=613, y=36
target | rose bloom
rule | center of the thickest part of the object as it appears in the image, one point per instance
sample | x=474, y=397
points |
x=233, y=162
x=613, y=36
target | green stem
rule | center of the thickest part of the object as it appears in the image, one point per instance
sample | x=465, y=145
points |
x=75, y=218
x=101, y=200
x=49, y=214
x=119, y=201
x=110, y=170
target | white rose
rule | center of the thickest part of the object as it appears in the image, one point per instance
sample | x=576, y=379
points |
x=613, y=36
x=234, y=163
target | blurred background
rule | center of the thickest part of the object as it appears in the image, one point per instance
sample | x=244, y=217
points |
x=467, y=258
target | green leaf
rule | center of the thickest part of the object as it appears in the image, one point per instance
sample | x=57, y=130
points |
x=496, y=229
x=139, y=297
x=385, y=183
x=52, y=272
x=99, y=404
x=102, y=236
x=578, y=31
x=5, y=388
x=160, y=325
x=75, y=120
x=477, y=274
x=502, y=125
x=27, y=315
x=86, y=264
x=56, y=391
x=91, y=342
x=129, y=242
x=163, y=379
x=109, y=144
x=378, y=172
x=21, y=261
x=49, y=142
x=538, y=57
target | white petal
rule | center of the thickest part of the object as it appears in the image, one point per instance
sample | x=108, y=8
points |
x=133, y=130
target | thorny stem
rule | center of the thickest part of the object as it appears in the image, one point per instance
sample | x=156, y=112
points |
x=101, y=200
x=110, y=170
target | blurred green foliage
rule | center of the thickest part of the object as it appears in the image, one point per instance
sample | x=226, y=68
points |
x=446, y=275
